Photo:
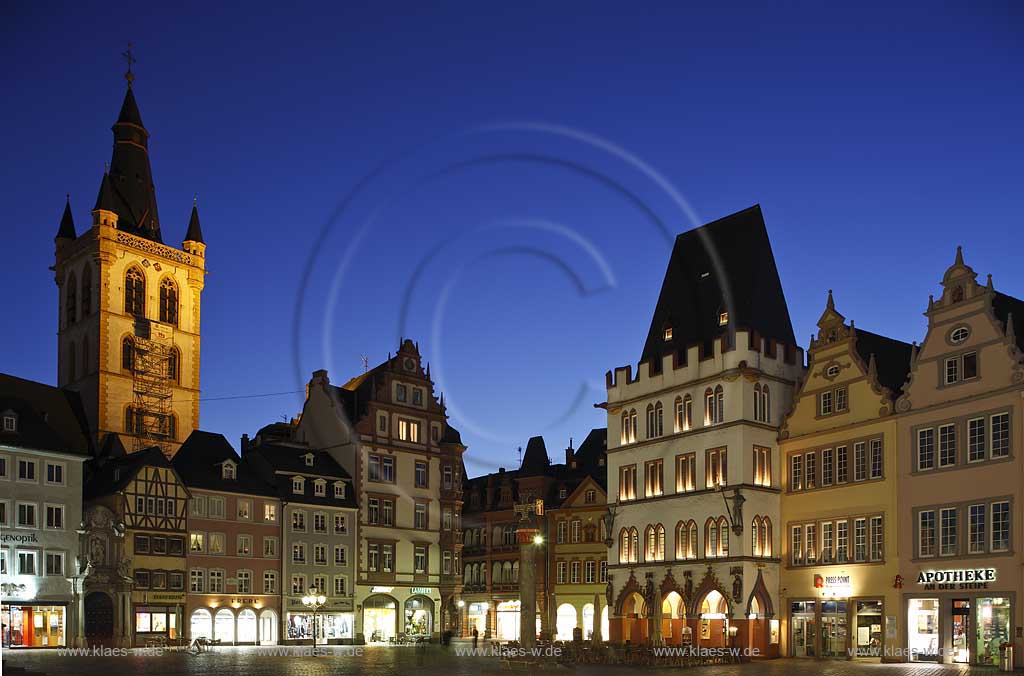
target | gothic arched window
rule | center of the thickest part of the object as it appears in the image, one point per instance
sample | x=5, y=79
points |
x=71, y=299
x=134, y=293
x=86, y=291
x=127, y=354
x=174, y=365
x=169, y=301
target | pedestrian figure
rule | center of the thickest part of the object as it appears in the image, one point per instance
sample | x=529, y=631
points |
x=476, y=636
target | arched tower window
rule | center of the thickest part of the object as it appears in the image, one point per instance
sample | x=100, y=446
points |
x=134, y=293
x=86, y=291
x=127, y=354
x=169, y=301
x=174, y=365
x=71, y=299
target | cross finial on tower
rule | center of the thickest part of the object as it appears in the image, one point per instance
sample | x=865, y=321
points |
x=129, y=59
x=366, y=363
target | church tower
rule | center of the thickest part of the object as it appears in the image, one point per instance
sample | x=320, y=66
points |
x=129, y=304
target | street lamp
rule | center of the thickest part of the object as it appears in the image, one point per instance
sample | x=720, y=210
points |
x=316, y=603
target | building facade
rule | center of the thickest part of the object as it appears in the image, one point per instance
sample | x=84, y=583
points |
x=234, y=550
x=135, y=538
x=694, y=472
x=840, y=513
x=42, y=451
x=318, y=535
x=389, y=431
x=129, y=319
x=960, y=483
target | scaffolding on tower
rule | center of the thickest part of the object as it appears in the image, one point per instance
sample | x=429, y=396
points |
x=151, y=386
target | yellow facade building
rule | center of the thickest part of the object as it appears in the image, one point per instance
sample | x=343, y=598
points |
x=838, y=583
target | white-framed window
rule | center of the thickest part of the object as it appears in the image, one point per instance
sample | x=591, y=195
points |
x=1000, y=435
x=269, y=582
x=4, y=569
x=796, y=472
x=5, y=511
x=227, y=470
x=298, y=584
x=5, y=467
x=602, y=571
x=244, y=509
x=244, y=543
x=420, y=474
x=796, y=549
x=959, y=368
x=197, y=542
x=561, y=531
x=320, y=554
x=574, y=572
x=244, y=581
x=54, y=517
x=298, y=552
x=419, y=557
x=926, y=539
x=1000, y=541
x=216, y=543
x=27, y=470
x=298, y=521
x=319, y=522
x=217, y=508
x=269, y=547
x=55, y=563
x=298, y=485
x=926, y=449
x=320, y=488
x=339, y=490
x=446, y=563
x=340, y=524
x=860, y=461
x=269, y=512
x=340, y=555
x=55, y=473
x=28, y=562
x=575, y=529
x=589, y=571
x=10, y=423
x=948, y=531
x=976, y=440
x=977, y=531
x=340, y=585
x=947, y=445
x=197, y=506
x=215, y=578
x=811, y=470
x=196, y=581
x=27, y=515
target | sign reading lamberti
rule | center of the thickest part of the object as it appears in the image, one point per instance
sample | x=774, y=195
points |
x=958, y=578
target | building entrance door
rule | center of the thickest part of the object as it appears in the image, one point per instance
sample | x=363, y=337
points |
x=99, y=617
x=833, y=629
x=961, y=631
x=803, y=632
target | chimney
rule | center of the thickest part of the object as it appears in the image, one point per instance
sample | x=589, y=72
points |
x=245, y=443
x=568, y=455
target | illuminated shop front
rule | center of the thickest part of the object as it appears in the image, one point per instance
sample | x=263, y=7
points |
x=230, y=622
x=476, y=618
x=835, y=624
x=959, y=616
x=156, y=623
x=419, y=617
x=330, y=626
x=34, y=626
x=380, y=618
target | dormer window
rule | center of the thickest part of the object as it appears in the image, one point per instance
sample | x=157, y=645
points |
x=723, y=318
x=339, y=490
x=309, y=459
x=320, y=488
x=298, y=485
x=227, y=470
x=832, y=371
x=10, y=422
x=668, y=333
x=562, y=493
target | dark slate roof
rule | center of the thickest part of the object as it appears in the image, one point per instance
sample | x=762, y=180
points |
x=535, y=459
x=105, y=197
x=278, y=463
x=1003, y=306
x=743, y=281
x=108, y=476
x=48, y=418
x=194, y=232
x=892, y=358
x=131, y=177
x=590, y=453
x=199, y=464
x=451, y=435
x=67, y=223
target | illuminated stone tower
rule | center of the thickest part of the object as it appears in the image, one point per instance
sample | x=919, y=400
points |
x=129, y=305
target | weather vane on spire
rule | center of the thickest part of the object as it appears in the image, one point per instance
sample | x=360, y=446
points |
x=129, y=59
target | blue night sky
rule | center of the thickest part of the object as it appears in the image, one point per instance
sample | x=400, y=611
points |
x=498, y=183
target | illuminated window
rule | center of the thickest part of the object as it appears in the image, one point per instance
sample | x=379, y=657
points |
x=134, y=293
x=723, y=318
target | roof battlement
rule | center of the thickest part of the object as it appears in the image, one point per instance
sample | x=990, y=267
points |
x=744, y=350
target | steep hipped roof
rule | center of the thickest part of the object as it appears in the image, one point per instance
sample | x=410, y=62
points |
x=535, y=460
x=278, y=463
x=67, y=222
x=892, y=358
x=724, y=266
x=48, y=418
x=194, y=232
x=131, y=178
x=200, y=459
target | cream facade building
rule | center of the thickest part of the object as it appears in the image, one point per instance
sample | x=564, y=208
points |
x=694, y=471
x=960, y=485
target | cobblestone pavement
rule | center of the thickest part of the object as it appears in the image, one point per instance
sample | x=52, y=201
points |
x=406, y=661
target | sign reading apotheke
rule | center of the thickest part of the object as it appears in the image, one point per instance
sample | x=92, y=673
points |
x=957, y=578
